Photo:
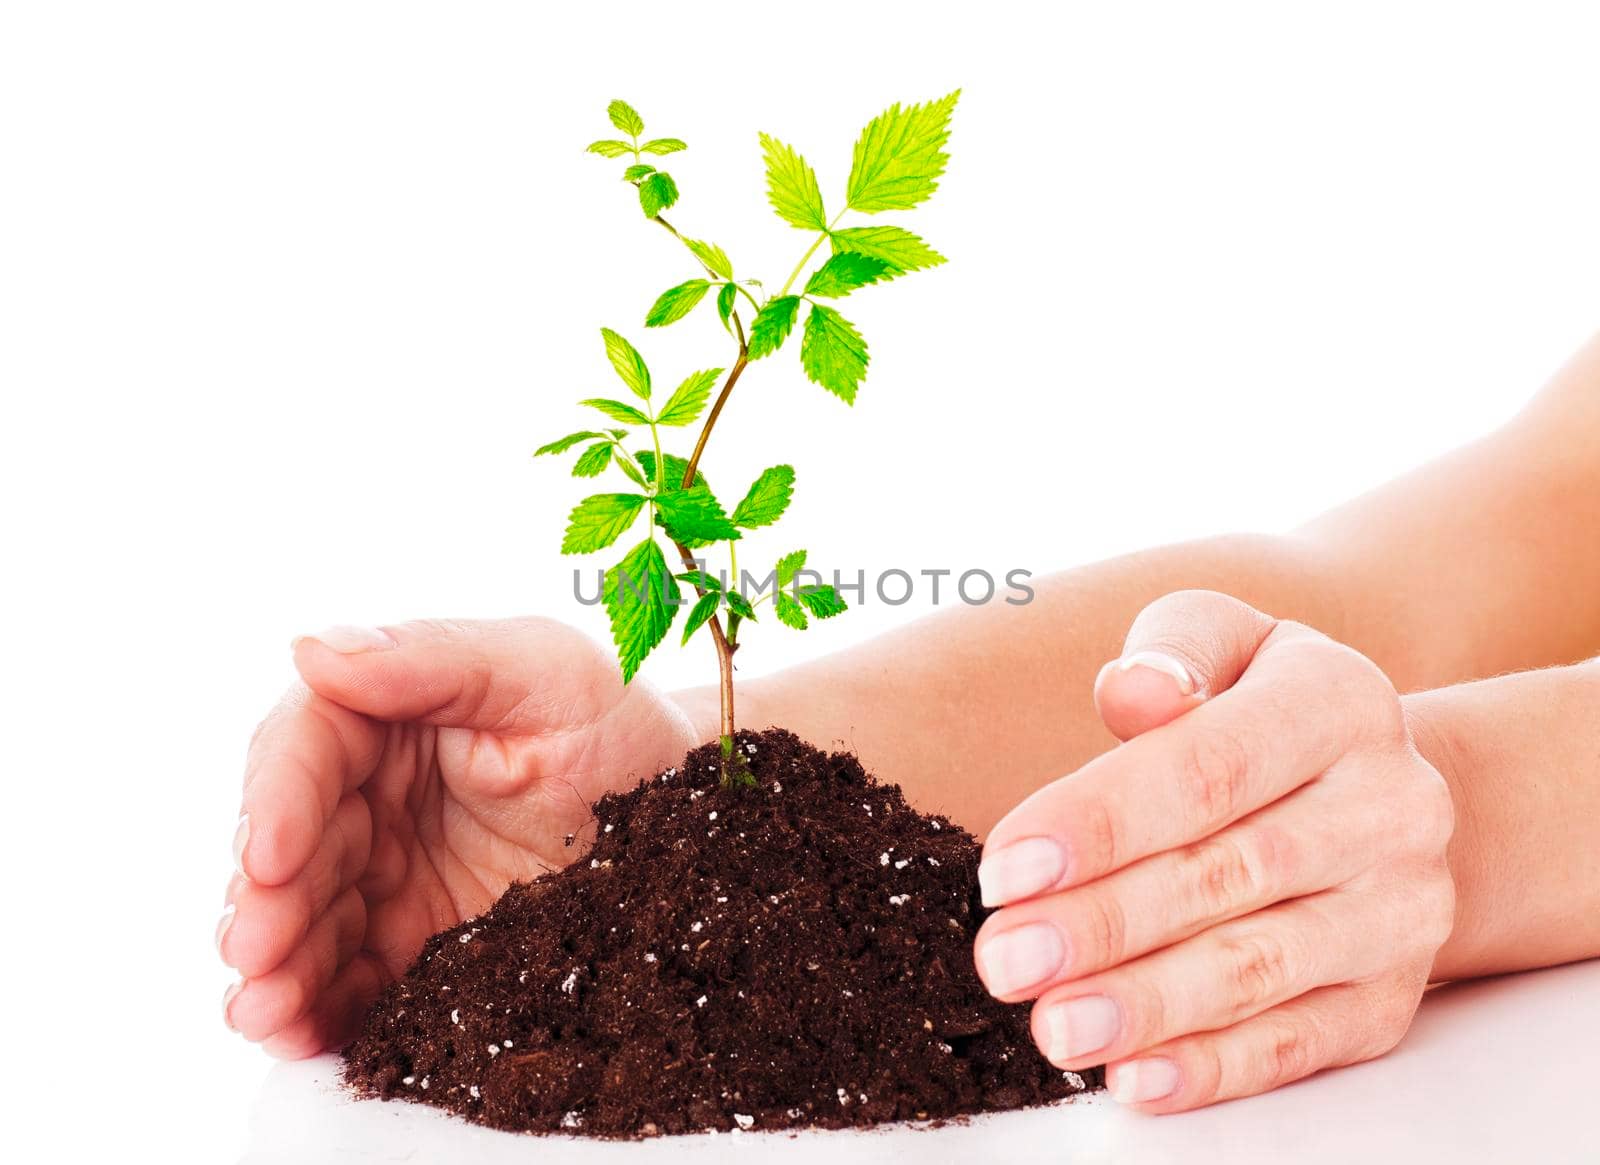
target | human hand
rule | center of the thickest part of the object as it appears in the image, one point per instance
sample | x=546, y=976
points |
x=1250, y=889
x=420, y=770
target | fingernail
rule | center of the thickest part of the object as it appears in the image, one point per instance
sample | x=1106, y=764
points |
x=227, y=1002
x=1138, y=1081
x=347, y=639
x=1015, y=960
x=223, y=924
x=241, y=836
x=1020, y=870
x=1165, y=664
x=1079, y=1026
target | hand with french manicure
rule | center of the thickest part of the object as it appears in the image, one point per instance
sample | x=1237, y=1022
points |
x=1249, y=889
x=418, y=771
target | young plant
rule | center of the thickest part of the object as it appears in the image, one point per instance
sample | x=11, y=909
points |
x=896, y=165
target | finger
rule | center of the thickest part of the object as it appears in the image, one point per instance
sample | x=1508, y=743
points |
x=1316, y=838
x=266, y=1005
x=1326, y=1028
x=1181, y=650
x=336, y=1015
x=305, y=756
x=513, y=676
x=1218, y=978
x=1302, y=705
x=269, y=922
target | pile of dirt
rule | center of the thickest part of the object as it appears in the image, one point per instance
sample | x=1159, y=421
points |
x=794, y=955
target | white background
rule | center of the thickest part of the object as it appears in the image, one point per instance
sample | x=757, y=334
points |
x=289, y=292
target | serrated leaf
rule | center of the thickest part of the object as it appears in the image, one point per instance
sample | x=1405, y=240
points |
x=789, y=612
x=700, y=613
x=713, y=256
x=822, y=601
x=725, y=303
x=642, y=599
x=637, y=171
x=899, y=156
x=767, y=499
x=895, y=246
x=629, y=364
x=599, y=520
x=673, y=466
x=617, y=410
x=845, y=272
x=608, y=148
x=772, y=325
x=676, y=302
x=664, y=146
x=694, y=517
x=625, y=118
x=740, y=606
x=686, y=401
x=593, y=461
x=700, y=580
x=833, y=352
x=565, y=443
x=792, y=186
x=789, y=566
x=657, y=193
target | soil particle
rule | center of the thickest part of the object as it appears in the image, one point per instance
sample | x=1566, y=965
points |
x=770, y=972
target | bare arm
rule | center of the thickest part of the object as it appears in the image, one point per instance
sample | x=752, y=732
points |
x=1482, y=562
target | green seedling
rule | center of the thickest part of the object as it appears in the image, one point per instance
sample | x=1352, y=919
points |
x=896, y=165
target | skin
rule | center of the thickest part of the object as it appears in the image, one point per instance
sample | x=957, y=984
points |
x=1272, y=832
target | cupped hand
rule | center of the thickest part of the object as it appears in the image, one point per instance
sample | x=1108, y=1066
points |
x=1249, y=889
x=419, y=771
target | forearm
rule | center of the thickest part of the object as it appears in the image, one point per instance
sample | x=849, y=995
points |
x=973, y=708
x=1521, y=755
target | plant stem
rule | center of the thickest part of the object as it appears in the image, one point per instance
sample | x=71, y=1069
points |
x=806, y=258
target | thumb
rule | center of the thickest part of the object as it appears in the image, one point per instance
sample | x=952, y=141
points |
x=1182, y=649
x=515, y=676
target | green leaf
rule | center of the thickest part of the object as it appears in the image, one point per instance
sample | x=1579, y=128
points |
x=608, y=148
x=767, y=499
x=629, y=364
x=635, y=172
x=676, y=302
x=899, y=156
x=740, y=606
x=664, y=146
x=701, y=612
x=700, y=580
x=792, y=186
x=593, y=461
x=686, y=401
x=789, y=566
x=633, y=474
x=822, y=601
x=789, y=612
x=617, y=411
x=625, y=118
x=694, y=517
x=901, y=250
x=642, y=599
x=725, y=303
x=598, y=521
x=713, y=256
x=565, y=443
x=845, y=272
x=657, y=193
x=675, y=467
x=833, y=352
x=772, y=325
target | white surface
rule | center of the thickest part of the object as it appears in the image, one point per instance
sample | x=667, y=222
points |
x=289, y=291
x=1499, y=1070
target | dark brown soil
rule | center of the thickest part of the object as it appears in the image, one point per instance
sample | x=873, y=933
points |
x=798, y=954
